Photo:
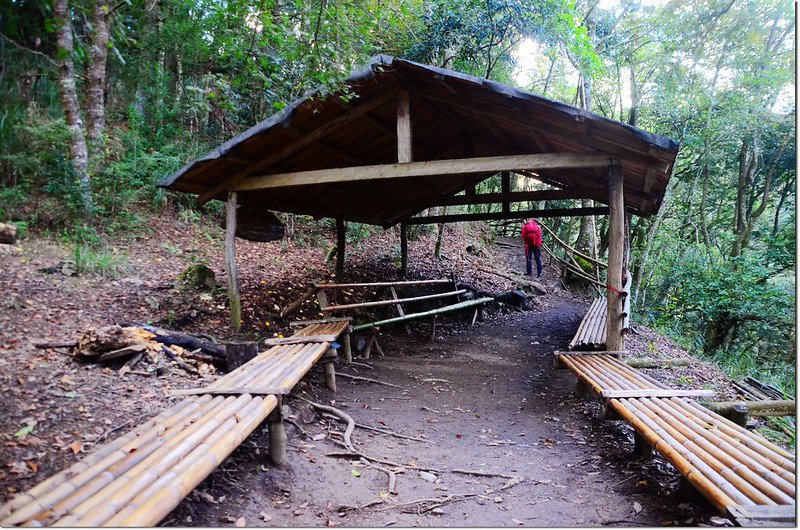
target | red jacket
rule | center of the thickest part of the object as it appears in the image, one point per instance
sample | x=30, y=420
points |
x=532, y=234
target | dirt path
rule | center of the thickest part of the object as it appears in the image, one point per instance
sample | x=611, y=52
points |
x=488, y=400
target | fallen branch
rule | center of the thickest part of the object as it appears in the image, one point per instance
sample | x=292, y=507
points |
x=184, y=340
x=57, y=344
x=391, y=474
x=482, y=473
x=180, y=364
x=392, y=433
x=433, y=380
x=434, y=502
x=380, y=461
x=351, y=425
x=367, y=380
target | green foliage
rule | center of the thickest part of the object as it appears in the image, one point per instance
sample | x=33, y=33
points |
x=199, y=276
x=101, y=262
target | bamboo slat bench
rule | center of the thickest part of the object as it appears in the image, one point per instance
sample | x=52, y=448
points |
x=137, y=479
x=591, y=334
x=746, y=477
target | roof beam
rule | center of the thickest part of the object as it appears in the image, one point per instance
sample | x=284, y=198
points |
x=311, y=137
x=458, y=166
x=495, y=216
x=519, y=196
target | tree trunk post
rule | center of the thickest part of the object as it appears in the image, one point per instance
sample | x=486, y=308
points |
x=341, y=232
x=405, y=147
x=347, y=348
x=230, y=263
x=277, y=435
x=403, y=250
x=328, y=367
x=239, y=353
x=616, y=249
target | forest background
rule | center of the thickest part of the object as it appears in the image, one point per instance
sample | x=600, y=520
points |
x=100, y=99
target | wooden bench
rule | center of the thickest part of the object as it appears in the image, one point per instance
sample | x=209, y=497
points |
x=743, y=475
x=137, y=479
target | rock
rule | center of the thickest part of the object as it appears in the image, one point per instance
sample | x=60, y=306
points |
x=429, y=477
x=437, y=511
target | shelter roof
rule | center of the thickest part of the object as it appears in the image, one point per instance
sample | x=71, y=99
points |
x=453, y=116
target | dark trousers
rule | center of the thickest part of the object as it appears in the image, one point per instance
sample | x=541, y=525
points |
x=537, y=253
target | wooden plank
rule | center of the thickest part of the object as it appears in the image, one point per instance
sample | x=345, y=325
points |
x=522, y=214
x=393, y=301
x=302, y=339
x=298, y=323
x=310, y=137
x=458, y=166
x=234, y=295
x=405, y=144
x=655, y=392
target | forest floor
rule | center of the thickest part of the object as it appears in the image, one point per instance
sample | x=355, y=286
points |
x=486, y=398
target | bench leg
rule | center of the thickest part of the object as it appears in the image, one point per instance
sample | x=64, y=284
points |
x=475, y=316
x=581, y=390
x=277, y=435
x=641, y=447
x=433, y=328
x=368, y=347
x=346, y=348
x=328, y=367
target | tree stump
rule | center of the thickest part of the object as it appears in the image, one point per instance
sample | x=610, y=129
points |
x=239, y=353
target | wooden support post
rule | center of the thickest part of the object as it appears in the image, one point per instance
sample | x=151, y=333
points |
x=370, y=343
x=238, y=353
x=403, y=250
x=505, y=183
x=616, y=243
x=433, y=328
x=399, y=306
x=230, y=263
x=322, y=300
x=347, y=348
x=329, y=368
x=581, y=390
x=405, y=138
x=277, y=434
x=738, y=415
x=341, y=232
x=641, y=447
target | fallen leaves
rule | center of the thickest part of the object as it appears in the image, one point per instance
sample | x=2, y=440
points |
x=26, y=430
x=241, y=522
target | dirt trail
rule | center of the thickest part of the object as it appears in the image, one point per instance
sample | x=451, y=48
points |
x=488, y=400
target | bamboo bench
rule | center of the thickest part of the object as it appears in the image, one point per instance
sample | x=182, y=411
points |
x=320, y=290
x=140, y=477
x=591, y=334
x=743, y=475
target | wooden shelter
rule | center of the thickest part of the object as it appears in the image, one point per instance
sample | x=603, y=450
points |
x=404, y=137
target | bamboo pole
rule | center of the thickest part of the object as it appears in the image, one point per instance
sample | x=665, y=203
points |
x=760, y=476
x=717, y=496
x=380, y=284
x=757, y=443
x=573, y=250
x=745, y=481
x=772, y=407
x=379, y=303
x=291, y=308
x=596, y=385
x=733, y=444
x=341, y=241
x=425, y=314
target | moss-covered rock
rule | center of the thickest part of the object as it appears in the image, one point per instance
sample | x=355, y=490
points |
x=199, y=277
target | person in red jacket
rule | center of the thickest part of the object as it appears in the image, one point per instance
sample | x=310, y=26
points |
x=532, y=236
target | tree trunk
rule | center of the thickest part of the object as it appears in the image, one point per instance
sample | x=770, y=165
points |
x=747, y=169
x=784, y=193
x=437, y=251
x=96, y=75
x=716, y=332
x=79, y=154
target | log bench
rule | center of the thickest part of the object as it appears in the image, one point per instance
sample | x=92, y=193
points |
x=746, y=477
x=137, y=479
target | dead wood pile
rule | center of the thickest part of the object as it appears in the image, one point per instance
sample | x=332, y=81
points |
x=155, y=348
